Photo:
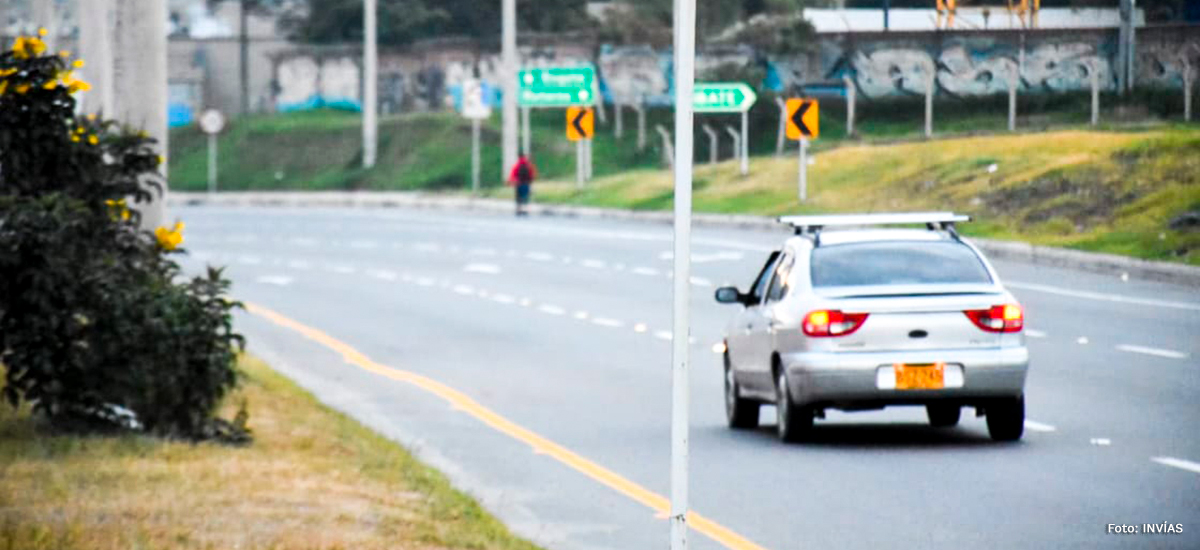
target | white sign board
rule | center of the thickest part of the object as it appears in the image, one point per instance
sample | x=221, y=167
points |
x=212, y=122
x=474, y=103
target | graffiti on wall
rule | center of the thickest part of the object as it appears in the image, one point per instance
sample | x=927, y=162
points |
x=968, y=64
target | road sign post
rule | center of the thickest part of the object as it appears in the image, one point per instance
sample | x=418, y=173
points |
x=475, y=107
x=728, y=97
x=370, y=85
x=783, y=116
x=737, y=141
x=685, y=74
x=211, y=123
x=581, y=126
x=850, y=99
x=526, y=136
x=508, y=75
x=803, y=123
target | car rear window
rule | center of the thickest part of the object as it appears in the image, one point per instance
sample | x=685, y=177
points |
x=896, y=263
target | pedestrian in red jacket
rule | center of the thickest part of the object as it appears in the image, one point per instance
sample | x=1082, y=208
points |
x=522, y=176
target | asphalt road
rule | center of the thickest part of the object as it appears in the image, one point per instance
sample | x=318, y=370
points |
x=529, y=360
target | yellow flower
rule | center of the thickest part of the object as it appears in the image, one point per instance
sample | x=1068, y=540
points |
x=22, y=88
x=93, y=140
x=6, y=72
x=42, y=31
x=75, y=139
x=50, y=85
x=81, y=130
x=18, y=48
x=117, y=209
x=3, y=86
x=78, y=64
x=161, y=159
x=64, y=53
x=169, y=239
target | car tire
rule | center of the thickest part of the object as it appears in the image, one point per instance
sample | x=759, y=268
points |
x=1006, y=419
x=741, y=413
x=942, y=415
x=793, y=423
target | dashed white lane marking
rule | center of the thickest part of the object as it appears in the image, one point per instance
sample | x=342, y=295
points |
x=645, y=271
x=1103, y=297
x=524, y=302
x=1082, y=340
x=706, y=258
x=1101, y=441
x=1034, y=333
x=581, y=315
x=606, y=322
x=698, y=281
x=664, y=335
x=425, y=281
x=464, y=289
x=539, y=256
x=593, y=264
x=1038, y=426
x=490, y=269
x=551, y=309
x=1157, y=352
x=1178, y=463
x=382, y=274
x=278, y=280
x=483, y=293
x=640, y=327
x=503, y=298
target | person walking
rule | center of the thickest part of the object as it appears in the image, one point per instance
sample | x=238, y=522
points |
x=522, y=176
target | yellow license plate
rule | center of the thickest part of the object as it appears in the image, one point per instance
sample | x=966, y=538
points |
x=920, y=377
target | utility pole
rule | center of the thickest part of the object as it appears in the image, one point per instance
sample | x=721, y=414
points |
x=140, y=84
x=1125, y=46
x=370, y=85
x=508, y=73
x=95, y=48
x=685, y=81
x=244, y=61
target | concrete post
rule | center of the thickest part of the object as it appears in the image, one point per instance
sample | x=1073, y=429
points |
x=779, y=102
x=95, y=48
x=1095, y=76
x=1187, y=88
x=508, y=74
x=668, y=150
x=744, y=152
x=851, y=92
x=929, y=81
x=579, y=164
x=370, y=85
x=618, y=126
x=475, y=156
x=244, y=56
x=526, y=132
x=803, y=192
x=1012, y=100
x=212, y=163
x=140, y=84
x=641, y=123
x=713, y=144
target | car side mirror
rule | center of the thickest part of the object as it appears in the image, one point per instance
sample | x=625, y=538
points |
x=728, y=295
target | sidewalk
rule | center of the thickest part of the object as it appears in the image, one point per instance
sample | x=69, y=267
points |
x=1019, y=251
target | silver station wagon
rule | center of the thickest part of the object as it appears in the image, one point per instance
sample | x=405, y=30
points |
x=851, y=316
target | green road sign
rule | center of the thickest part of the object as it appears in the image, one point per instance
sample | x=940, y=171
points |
x=557, y=87
x=722, y=97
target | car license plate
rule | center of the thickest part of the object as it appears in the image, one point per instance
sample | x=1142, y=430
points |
x=920, y=377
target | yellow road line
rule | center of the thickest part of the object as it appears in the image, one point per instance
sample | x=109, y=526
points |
x=657, y=503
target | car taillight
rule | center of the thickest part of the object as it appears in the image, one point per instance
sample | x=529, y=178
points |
x=824, y=322
x=1002, y=318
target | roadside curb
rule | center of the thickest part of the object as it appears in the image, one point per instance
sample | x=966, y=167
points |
x=1011, y=250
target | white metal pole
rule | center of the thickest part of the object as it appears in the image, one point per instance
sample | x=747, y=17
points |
x=1187, y=89
x=745, y=150
x=509, y=75
x=526, y=133
x=212, y=163
x=140, y=84
x=370, y=85
x=668, y=150
x=587, y=148
x=685, y=74
x=475, y=156
x=803, y=169
x=782, y=125
x=1095, y=93
x=713, y=144
x=850, y=100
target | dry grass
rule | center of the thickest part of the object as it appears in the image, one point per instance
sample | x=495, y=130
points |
x=313, y=479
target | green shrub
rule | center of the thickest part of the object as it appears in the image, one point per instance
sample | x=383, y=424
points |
x=95, y=316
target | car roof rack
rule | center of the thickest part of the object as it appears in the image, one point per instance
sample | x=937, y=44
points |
x=813, y=225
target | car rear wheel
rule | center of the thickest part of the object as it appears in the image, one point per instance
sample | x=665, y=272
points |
x=943, y=416
x=741, y=413
x=1006, y=419
x=793, y=423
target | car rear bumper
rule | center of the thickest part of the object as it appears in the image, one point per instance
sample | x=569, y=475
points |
x=844, y=380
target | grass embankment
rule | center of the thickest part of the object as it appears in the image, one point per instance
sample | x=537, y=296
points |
x=313, y=478
x=1100, y=191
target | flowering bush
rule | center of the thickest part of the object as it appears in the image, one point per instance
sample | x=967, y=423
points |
x=92, y=316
